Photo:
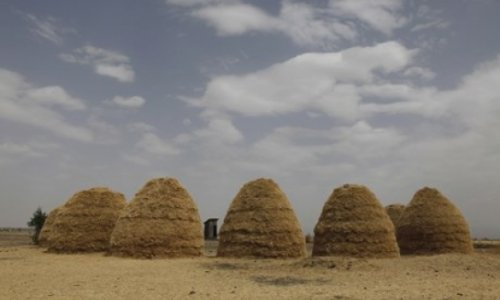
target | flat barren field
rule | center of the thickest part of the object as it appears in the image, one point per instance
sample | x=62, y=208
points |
x=27, y=272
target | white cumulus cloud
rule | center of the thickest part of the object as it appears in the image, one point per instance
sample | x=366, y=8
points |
x=48, y=28
x=235, y=19
x=104, y=62
x=129, y=102
x=189, y=3
x=151, y=143
x=419, y=72
x=55, y=95
x=220, y=130
x=382, y=15
x=305, y=23
x=324, y=82
x=20, y=102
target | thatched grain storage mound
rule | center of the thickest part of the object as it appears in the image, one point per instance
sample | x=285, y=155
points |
x=431, y=224
x=161, y=221
x=47, y=228
x=394, y=211
x=261, y=223
x=354, y=223
x=85, y=222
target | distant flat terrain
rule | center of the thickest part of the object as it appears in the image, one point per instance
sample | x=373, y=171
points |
x=14, y=237
x=28, y=272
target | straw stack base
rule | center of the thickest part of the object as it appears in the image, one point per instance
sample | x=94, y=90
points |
x=161, y=221
x=85, y=222
x=261, y=223
x=431, y=224
x=354, y=223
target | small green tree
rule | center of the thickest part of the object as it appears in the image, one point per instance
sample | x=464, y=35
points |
x=37, y=221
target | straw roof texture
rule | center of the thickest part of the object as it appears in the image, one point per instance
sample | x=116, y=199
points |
x=85, y=222
x=261, y=223
x=161, y=221
x=354, y=223
x=432, y=224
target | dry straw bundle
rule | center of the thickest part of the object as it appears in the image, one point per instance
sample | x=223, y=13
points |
x=431, y=224
x=354, y=223
x=161, y=221
x=43, y=239
x=261, y=223
x=85, y=222
x=394, y=211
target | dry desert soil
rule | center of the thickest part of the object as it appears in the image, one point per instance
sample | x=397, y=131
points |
x=28, y=272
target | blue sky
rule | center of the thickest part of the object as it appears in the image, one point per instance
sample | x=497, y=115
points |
x=392, y=94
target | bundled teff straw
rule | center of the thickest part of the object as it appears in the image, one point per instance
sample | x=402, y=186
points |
x=354, y=223
x=261, y=223
x=161, y=221
x=431, y=224
x=85, y=222
x=43, y=239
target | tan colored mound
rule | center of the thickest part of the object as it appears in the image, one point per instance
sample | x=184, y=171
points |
x=161, y=221
x=85, y=222
x=261, y=223
x=354, y=223
x=394, y=212
x=431, y=224
x=47, y=228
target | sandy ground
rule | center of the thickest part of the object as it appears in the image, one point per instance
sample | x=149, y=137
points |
x=27, y=272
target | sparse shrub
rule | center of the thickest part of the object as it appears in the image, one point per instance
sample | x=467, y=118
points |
x=37, y=221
